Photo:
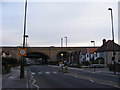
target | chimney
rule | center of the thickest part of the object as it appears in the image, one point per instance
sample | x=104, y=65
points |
x=104, y=41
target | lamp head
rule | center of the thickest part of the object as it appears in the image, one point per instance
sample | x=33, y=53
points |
x=109, y=8
x=92, y=41
x=26, y=35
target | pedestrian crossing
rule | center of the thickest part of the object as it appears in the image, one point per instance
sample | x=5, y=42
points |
x=46, y=72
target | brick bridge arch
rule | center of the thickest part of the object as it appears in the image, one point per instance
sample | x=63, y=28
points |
x=52, y=52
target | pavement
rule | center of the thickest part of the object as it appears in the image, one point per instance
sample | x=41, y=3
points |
x=12, y=81
x=98, y=70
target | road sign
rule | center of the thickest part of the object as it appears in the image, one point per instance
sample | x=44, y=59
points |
x=22, y=51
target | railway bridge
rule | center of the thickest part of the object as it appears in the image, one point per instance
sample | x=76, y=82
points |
x=46, y=53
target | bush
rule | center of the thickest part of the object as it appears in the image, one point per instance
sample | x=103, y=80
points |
x=7, y=63
x=6, y=69
x=86, y=63
x=92, y=61
x=10, y=61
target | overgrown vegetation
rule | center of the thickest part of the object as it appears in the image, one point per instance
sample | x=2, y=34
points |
x=7, y=63
x=10, y=61
x=85, y=63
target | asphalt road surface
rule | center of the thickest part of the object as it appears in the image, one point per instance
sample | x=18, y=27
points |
x=46, y=76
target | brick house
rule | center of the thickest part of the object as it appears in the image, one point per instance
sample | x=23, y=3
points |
x=106, y=52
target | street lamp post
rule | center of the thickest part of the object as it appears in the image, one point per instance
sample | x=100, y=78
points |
x=93, y=43
x=113, y=57
x=26, y=39
x=66, y=47
x=66, y=41
x=24, y=25
x=23, y=58
x=94, y=48
x=61, y=42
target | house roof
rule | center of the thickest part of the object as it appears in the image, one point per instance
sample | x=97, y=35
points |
x=91, y=50
x=108, y=46
x=83, y=51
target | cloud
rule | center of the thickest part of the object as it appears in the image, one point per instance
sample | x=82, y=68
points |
x=11, y=37
x=48, y=22
x=61, y=0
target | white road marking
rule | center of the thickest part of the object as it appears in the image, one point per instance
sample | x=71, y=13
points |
x=33, y=83
x=116, y=86
x=91, y=80
x=55, y=72
x=47, y=72
x=76, y=76
x=32, y=73
x=12, y=77
x=39, y=72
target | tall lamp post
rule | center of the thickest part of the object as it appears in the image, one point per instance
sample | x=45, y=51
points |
x=23, y=58
x=94, y=48
x=66, y=48
x=93, y=43
x=61, y=42
x=113, y=57
x=66, y=41
x=26, y=39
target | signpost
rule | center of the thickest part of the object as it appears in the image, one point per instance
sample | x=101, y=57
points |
x=22, y=51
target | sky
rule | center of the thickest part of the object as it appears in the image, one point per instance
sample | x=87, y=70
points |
x=81, y=21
